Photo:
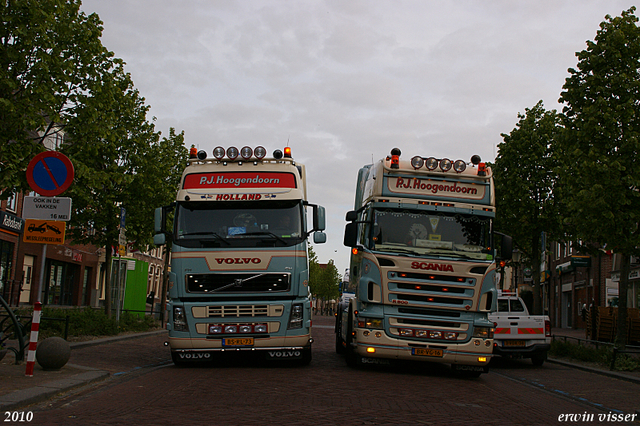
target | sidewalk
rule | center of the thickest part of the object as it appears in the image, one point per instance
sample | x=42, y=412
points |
x=17, y=390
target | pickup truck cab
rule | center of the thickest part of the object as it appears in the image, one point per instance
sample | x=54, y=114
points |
x=518, y=334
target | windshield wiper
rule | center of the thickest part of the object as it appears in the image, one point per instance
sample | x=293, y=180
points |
x=236, y=283
x=218, y=237
x=270, y=234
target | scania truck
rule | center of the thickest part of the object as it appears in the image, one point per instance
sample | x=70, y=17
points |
x=423, y=264
x=239, y=279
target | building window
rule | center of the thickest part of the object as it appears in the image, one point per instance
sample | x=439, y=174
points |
x=11, y=203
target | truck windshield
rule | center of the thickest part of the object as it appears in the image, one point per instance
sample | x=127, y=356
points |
x=437, y=234
x=239, y=224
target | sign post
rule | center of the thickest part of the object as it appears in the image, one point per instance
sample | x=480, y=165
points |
x=49, y=173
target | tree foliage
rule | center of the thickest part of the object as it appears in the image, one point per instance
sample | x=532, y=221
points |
x=57, y=76
x=51, y=55
x=323, y=281
x=525, y=181
x=600, y=155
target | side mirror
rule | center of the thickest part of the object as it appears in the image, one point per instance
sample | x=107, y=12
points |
x=506, y=247
x=159, y=239
x=351, y=235
x=319, y=237
x=319, y=219
x=159, y=220
x=351, y=216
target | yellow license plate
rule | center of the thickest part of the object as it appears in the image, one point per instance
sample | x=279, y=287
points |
x=427, y=352
x=244, y=341
x=517, y=343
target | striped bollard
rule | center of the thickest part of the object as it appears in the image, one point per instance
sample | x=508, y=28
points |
x=33, y=339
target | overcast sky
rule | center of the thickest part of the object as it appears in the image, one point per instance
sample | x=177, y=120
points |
x=345, y=81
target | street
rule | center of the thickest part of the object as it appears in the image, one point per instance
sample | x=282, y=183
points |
x=150, y=390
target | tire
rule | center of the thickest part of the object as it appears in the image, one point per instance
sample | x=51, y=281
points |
x=350, y=354
x=306, y=356
x=539, y=359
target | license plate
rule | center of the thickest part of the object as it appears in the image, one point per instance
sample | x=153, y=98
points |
x=244, y=341
x=427, y=352
x=516, y=343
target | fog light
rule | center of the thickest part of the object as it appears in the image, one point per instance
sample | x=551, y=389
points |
x=476, y=342
x=366, y=333
x=487, y=343
x=378, y=334
x=422, y=333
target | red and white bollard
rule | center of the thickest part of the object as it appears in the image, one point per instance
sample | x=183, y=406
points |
x=33, y=339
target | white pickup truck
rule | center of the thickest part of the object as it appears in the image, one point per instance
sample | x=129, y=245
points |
x=518, y=334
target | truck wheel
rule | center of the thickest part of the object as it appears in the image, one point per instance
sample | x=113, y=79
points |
x=339, y=347
x=539, y=359
x=350, y=354
x=306, y=356
x=176, y=360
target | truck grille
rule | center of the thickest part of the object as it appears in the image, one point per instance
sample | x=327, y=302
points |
x=238, y=283
x=237, y=311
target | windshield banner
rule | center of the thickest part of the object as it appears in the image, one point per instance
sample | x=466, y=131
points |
x=242, y=180
x=438, y=188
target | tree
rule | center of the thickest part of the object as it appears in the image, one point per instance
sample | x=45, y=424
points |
x=120, y=162
x=524, y=173
x=600, y=165
x=51, y=53
x=323, y=280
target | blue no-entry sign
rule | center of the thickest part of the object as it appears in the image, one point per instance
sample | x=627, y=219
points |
x=50, y=173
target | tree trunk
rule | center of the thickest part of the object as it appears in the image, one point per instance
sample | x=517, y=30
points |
x=107, y=281
x=535, y=265
x=621, y=334
x=165, y=285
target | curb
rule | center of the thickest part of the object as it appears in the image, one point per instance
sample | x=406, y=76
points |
x=46, y=391
x=613, y=374
x=96, y=342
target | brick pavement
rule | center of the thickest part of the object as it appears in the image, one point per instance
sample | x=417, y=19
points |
x=117, y=359
x=324, y=393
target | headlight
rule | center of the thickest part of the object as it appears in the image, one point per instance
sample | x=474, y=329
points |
x=373, y=323
x=296, y=317
x=483, y=332
x=179, y=319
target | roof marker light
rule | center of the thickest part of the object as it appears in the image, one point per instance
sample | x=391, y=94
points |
x=395, y=158
x=218, y=153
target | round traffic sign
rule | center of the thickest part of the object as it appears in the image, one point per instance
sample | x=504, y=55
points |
x=50, y=173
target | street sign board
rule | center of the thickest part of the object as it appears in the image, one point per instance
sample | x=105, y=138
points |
x=44, y=231
x=50, y=173
x=47, y=208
